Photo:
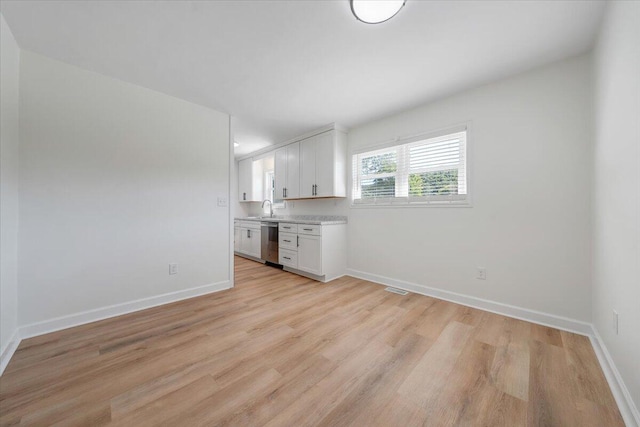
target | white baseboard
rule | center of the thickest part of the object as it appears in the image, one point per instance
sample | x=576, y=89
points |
x=64, y=322
x=332, y=278
x=84, y=317
x=7, y=352
x=546, y=319
x=628, y=409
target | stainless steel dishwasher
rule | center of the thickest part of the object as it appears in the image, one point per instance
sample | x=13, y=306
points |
x=269, y=248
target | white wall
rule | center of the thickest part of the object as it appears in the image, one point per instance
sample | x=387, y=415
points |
x=9, y=98
x=117, y=181
x=616, y=201
x=530, y=154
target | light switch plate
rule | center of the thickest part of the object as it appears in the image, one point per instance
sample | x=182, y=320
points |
x=222, y=202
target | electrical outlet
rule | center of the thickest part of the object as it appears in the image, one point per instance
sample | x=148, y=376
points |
x=222, y=202
x=481, y=273
x=173, y=268
x=615, y=322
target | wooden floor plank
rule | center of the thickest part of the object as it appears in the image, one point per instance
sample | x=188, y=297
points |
x=280, y=350
x=551, y=400
x=436, y=366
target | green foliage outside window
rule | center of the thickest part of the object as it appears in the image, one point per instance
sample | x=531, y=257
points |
x=381, y=163
x=433, y=183
x=379, y=187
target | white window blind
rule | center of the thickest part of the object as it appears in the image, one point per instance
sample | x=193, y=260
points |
x=417, y=170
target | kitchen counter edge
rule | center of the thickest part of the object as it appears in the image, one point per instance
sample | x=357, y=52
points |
x=296, y=221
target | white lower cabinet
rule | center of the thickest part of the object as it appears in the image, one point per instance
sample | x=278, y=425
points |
x=236, y=237
x=288, y=241
x=288, y=258
x=310, y=254
x=250, y=242
x=316, y=250
x=248, y=238
x=312, y=250
x=288, y=247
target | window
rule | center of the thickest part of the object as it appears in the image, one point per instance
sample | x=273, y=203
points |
x=426, y=169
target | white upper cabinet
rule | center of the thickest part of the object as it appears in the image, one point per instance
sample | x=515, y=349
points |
x=306, y=169
x=323, y=165
x=287, y=172
x=245, y=180
x=280, y=173
x=250, y=180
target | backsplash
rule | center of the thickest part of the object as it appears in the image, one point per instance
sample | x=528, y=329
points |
x=299, y=207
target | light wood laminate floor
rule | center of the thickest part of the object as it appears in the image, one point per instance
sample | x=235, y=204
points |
x=282, y=350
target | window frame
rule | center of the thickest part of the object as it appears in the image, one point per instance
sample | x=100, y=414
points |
x=380, y=175
x=412, y=201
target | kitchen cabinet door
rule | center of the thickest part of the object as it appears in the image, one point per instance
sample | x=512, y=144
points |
x=308, y=166
x=310, y=254
x=293, y=170
x=280, y=172
x=325, y=165
x=250, y=242
x=287, y=172
x=245, y=180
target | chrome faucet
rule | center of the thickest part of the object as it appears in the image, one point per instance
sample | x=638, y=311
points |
x=270, y=207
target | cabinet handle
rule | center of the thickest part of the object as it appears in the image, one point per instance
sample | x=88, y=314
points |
x=297, y=240
x=249, y=234
x=308, y=229
x=288, y=241
x=286, y=257
x=244, y=196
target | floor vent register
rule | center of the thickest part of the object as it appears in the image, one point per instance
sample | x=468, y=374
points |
x=396, y=290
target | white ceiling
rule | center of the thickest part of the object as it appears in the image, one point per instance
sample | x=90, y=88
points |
x=286, y=67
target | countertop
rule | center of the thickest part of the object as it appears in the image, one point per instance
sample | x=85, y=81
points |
x=300, y=219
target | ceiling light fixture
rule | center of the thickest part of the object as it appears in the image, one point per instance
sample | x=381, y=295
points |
x=236, y=144
x=375, y=11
